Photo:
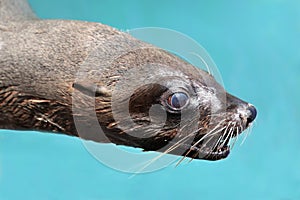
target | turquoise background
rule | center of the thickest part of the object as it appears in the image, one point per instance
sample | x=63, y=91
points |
x=256, y=45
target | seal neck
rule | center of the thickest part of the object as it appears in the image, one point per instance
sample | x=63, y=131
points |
x=16, y=10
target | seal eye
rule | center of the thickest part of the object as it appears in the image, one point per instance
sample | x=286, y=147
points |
x=178, y=100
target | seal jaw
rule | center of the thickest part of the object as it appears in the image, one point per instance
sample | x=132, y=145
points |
x=207, y=153
x=221, y=153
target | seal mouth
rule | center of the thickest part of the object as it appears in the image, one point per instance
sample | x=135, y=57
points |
x=211, y=149
x=220, y=153
x=209, y=153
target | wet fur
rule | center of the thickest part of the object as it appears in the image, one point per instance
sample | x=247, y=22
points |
x=39, y=60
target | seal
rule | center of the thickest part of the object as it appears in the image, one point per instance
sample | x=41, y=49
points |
x=55, y=73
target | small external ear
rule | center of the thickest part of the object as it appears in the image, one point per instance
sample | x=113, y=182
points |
x=92, y=89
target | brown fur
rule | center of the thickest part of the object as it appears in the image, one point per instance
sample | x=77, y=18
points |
x=40, y=61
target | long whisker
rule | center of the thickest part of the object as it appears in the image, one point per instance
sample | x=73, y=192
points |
x=251, y=127
x=235, y=137
x=210, y=133
x=247, y=133
x=211, y=136
x=245, y=136
x=222, y=136
x=203, y=146
x=207, y=67
x=194, y=146
x=173, y=147
x=228, y=135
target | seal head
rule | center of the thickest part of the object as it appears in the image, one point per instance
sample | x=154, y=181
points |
x=162, y=103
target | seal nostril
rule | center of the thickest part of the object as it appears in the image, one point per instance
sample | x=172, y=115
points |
x=252, y=115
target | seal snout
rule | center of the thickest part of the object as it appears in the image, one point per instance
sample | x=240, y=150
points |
x=252, y=114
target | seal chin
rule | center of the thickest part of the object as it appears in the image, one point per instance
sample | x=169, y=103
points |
x=219, y=154
x=207, y=153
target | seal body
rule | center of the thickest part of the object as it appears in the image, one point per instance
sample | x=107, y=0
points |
x=55, y=73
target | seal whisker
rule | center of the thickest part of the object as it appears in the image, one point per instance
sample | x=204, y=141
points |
x=47, y=119
x=200, y=57
x=191, y=122
x=210, y=133
x=232, y=138
x=223, y=135
x=173, y=147
x=218, y=143
x=210, y=138
x=247, y=132
x=214, y=115
x=245, y=137
x=235, y=138
x=228, y=135
x=251, y=127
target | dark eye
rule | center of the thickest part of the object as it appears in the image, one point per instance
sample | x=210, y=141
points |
x=178, y=100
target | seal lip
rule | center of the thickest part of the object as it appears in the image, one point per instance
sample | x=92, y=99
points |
x=219, y=154
x=210, y=154
x=199, y=152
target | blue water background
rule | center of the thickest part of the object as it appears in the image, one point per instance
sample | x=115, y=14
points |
x=256, y=45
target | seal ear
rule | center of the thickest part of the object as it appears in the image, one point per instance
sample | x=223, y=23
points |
x=92, y=89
